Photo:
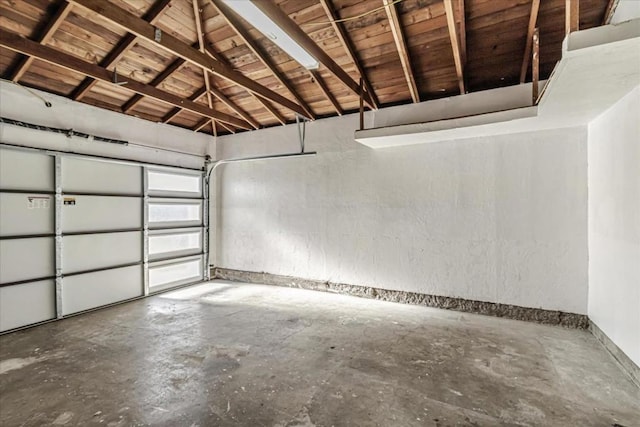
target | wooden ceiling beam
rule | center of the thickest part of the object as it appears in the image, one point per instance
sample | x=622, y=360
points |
x=207, y=81
x=45, y=35
x=232, y=19
x=276, y=14
x=152, y=16
x=342, y=35
x=270, y=109
x=171, y=44
x=455, y=44
x=608, y=12
x=25, y=46
x=315, y=75
x=172, y=68
x=462, y=26
x=533, y=18
x=401, y=47
x=572, y=16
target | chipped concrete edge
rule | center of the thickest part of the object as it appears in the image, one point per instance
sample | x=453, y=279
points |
x=625, y=362
x=538, y=315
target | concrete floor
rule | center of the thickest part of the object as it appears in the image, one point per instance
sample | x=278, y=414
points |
x=249, y=355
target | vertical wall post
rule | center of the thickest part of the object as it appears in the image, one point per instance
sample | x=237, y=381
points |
x=58, y=232
x=572, y=15
x=145, y=229
x=361, y=104
x=535, y=66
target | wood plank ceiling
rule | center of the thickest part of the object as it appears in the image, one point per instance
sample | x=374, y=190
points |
x=405, y=51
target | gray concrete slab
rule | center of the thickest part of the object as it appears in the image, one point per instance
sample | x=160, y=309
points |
x=233, y=354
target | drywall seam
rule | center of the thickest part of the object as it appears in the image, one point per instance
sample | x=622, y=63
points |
x=537, y=315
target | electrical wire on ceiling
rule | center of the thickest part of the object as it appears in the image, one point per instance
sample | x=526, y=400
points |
x=352, y=18
x=46, y=103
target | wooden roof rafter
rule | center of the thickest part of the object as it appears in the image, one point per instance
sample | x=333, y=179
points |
x=402, y=48
x=317, y=78
x=173, y=45
x=288, y=25
x=152, y=16
x=25, y=46
x=211, y=89
x=45, y=35
x=342, y=35
x=234, y=22
x=455, y=44
x=533, y=18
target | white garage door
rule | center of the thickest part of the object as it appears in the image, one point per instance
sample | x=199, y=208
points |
x=77, y=233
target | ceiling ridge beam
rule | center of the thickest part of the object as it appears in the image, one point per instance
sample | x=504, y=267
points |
x=166, y=41
x=402, y=48
x=288, y=25
x=533, y=19
x=121, y=48
x=455, y=44
x=45, y=35
x=23, y=45
x=231, y=18
x=342, y=35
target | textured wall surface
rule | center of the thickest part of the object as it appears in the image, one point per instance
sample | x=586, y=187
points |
x=614, y=224
x=500, y=219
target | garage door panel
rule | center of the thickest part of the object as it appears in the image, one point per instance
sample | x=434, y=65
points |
x=26, y=214
x=21, y=170
x=100, y=213
x=85, y=291
x=28, y=303
x=26, y=259
x=175, y=272
x=94, y=176
x=92, y=251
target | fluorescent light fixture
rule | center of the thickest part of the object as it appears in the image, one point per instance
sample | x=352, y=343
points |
x=266, y=26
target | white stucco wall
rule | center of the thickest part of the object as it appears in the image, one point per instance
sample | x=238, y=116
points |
x=17, y=103
x=500, y=219
x=614, y=223
x=625, y=11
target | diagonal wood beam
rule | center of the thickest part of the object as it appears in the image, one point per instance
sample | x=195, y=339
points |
x=463, y=31
x=25, y=46
x=152, y=16
x=342, y=35
x=232, y=19
x=572, y=16
x=45, y=35
x=401, y=47
x=608, y=12
x=270, y=109
x=533, y=18
x=276, y=14
x=171, y=44
x=194, y=97
x=455, y=44
x=315, y=75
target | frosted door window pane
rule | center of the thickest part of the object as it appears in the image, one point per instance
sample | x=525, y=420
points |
x=173, y=273
x=173, y=212
x=173, y=242
x=173, y=182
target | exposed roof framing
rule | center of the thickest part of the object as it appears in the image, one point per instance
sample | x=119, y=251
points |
x=146, y=31
x=401, y=46
x=287, y=24
x=46, y=33
x=455, y=44
x=21, y=45
x=533, y=18
x=342, y=35
x=213, y=72
x=234, y=22
x=121, y=48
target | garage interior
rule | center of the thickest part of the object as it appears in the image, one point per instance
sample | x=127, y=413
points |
x=320, y=212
